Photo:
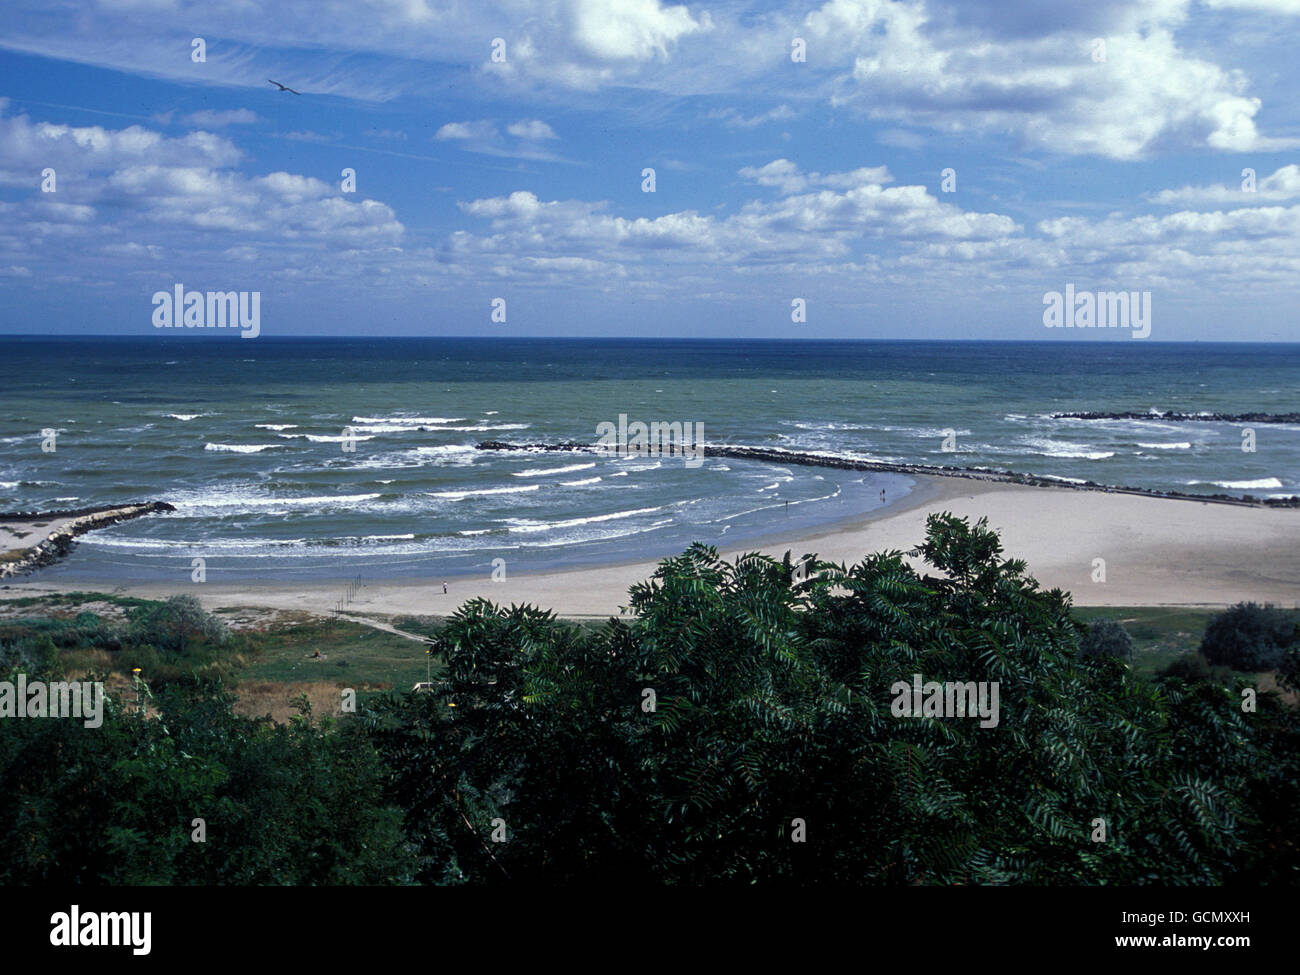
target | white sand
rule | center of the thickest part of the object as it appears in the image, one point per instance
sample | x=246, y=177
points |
x=1157, y=552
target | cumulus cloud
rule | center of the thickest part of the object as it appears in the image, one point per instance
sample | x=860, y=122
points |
x=132, y=194
x=27, y=147
x=909, y=63
x=631, y=29
x=484, y=136
x=956, y=66
x=1282, y=184
x=532, y=128
x=786, y=175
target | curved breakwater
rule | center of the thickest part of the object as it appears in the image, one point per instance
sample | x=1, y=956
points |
x=779, y=456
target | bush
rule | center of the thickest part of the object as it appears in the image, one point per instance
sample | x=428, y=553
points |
x=1106, y=638
x=1249, y=637
x=175, y=625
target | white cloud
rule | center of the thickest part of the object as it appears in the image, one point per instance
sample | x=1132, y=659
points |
x=468, y=132
x=533, y=129
x=211, y=118
x=27, y=147
x=786, y=175
x=631, y=29
x=1283, y=184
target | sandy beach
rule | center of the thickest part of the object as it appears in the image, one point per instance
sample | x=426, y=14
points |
x=1157, y=552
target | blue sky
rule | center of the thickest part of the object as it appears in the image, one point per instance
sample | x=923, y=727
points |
x=774, y=179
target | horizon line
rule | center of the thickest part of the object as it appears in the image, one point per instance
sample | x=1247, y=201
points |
x=657, y=338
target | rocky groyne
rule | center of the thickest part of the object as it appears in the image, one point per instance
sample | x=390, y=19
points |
x=778, y=456
x=65, y=526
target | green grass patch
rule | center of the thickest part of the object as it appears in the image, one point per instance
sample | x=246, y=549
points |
x=359, y=655
x=1161, y=634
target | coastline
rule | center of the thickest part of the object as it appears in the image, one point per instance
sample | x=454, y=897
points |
x=1158, y=551
x=57, y=531
x=779, y=455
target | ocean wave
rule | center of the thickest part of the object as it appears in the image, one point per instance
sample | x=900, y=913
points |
x=277, y=426
x=242, y=448
x=1258, y=483
x=530, y=525
x=241, y=500
x=408, y=421
x=598, y=535
x=542, y=471
x=320, y=438
x=184, y=416
x=1065, y=449
x=1166, y=446
x=489, y=426
x=458, y=495
x=589, y=480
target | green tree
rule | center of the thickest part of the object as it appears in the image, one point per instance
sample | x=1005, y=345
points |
x=1107, y=638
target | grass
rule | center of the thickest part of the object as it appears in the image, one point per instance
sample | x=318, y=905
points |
x=55, y=600
x=351, y=655
x=1161, y=634
x=273, y=664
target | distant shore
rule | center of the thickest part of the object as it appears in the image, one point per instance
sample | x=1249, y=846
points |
x=1154, y=551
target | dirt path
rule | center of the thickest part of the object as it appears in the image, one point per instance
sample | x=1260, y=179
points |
x=378, y=625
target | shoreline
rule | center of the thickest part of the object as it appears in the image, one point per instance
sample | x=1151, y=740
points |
x=778, y=455
x=58, y=532
x=1158, y=551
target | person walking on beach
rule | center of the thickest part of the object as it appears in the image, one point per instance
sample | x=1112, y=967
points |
x=444, y=589
x=882, y=495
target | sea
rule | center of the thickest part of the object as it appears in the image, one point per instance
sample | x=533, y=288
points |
x=301, y=459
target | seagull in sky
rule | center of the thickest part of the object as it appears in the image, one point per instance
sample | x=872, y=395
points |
x=283, y=87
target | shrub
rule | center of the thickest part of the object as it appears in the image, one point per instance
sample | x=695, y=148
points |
x=1106, y=638
x=1249, y=637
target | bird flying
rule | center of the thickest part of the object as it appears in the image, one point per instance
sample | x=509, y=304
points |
x=283, y=87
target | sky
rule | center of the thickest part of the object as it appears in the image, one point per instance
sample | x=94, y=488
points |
x=896, y=169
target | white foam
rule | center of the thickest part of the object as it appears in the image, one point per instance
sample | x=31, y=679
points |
x=589, y=480
x=1166, y=446
x=542, y=471
x=184, y=416
x=1261, y=482
x=242, y=448
x=407, y=421
x=527, y=525
x=457, y=495
x=239, y=501
x=277, y=426
x=1057, y=448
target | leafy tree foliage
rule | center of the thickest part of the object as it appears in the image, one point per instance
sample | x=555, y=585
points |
x=737, y=726
x=1107, y=638
x=1250, y=637
x=772, y=691
x=116, y=804
x=174, y=624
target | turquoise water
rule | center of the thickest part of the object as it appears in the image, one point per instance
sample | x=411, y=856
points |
x=246, y=439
